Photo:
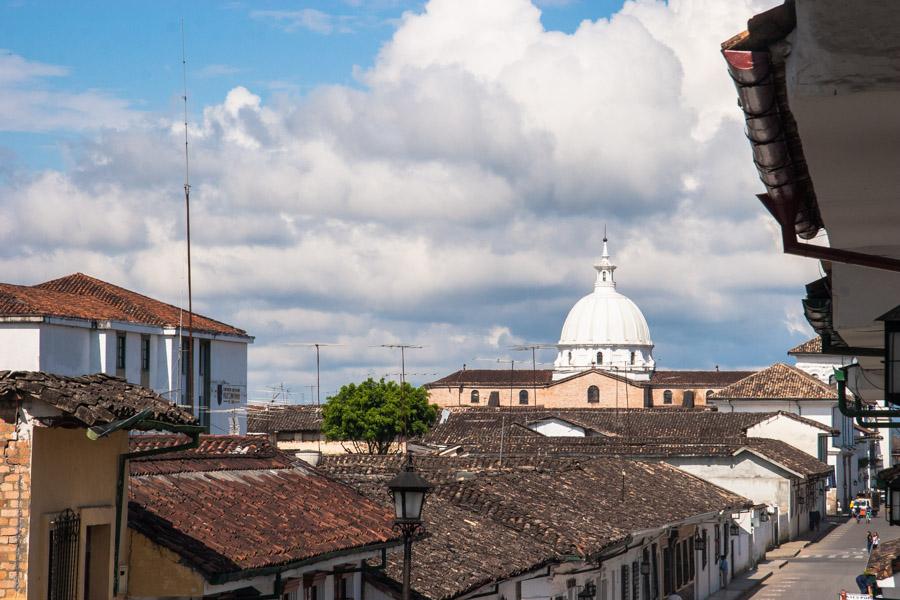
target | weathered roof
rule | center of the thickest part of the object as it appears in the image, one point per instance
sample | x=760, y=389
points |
x=89, y=400
x=481, y=425
x=778, y=382
x=885, y=559
x=544, y=377
x=214, y=453
x=495, y=377
x=272, y=418
x=710, y=379
x=226, y=524
x=79, y=296
x=811, y=346
x=488, y=521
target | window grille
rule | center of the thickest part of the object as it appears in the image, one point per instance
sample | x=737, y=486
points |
x=120, y=351
x=625, y=583
x=62, y=574
x=635, y=581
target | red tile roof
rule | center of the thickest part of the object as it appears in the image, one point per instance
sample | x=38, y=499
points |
x=228, y=524
x=813, y=346
x=709, y=379
x=267, y=418
x=214, y=453
x=778, y=382
x=79, y=296
x=542, y=377
x=88, y=400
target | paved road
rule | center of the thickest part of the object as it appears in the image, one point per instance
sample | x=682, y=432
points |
x=821, y=570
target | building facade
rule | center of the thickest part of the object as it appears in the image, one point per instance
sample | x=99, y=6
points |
x=77, y=325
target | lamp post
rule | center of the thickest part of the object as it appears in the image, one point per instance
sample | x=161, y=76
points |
x=408, y=490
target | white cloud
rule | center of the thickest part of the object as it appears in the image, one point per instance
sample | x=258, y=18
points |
x=313, y=20
x=456, y=201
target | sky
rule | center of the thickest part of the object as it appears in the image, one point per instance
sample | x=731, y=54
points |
x=371, y=172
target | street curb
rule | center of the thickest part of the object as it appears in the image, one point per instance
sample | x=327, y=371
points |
x=751, y=591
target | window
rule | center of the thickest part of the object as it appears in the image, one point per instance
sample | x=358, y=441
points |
x=341, y=587
x=633, y=356
x=593, y=394
x=518, y=590
x=625, y=583
x=473, y=397
x=823, y=447
x=718, y=540
x=667, y=571
x=645, y=578
x=599, y=358
x=654, y=571
x=185, y=355
x=570, y=357
x=494, y=399
x=62, y=570
x=604, y=275
x=725, y=540
x=604, y=589
x=120, y=351
x=704, y=556
x=204, y=357
x=145, y=353
x=679, y=561
x=667, y=397
x=709, y=393
x=523, y=396
x=687, y=399
x=635, y=580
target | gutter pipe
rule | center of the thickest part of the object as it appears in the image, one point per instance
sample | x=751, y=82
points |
x=138, y=421
x=856, y=410
x=778, y=157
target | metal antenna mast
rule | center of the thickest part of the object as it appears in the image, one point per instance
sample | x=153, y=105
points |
x=187, y=212
x=403, y=348
x=533, y=348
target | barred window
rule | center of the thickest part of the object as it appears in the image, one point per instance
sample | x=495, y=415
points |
x=635, y=581
x=62, y=573
x=625, y=583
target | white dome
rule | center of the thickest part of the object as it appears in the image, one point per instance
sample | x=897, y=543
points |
x=605, y=317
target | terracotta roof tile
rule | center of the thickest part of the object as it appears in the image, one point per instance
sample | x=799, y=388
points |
x=214, y=453
x=90, y=399
x=269, y=418
x=80, y=296
x=495, y=377
x=227, y=523
x=779, y=382
x=712, y=379
x=813, y=346
x=488, y=521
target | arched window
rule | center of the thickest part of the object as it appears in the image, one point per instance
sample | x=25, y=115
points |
x=593, y=395
x=570, y=357
x=604, y=275
x=667, y=397
x=599, y=358
x=523, y=396
x=474, y=397
x=709, y=393
x=633, y=356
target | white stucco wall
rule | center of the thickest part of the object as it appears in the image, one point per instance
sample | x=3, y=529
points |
x=800, y=436
x=65, y=350
x=20, y=347
x=228, y=366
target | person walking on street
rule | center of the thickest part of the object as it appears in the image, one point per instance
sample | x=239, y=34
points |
x=723, y=570
x=875, y=540
x=869, y=539
x=869, y=516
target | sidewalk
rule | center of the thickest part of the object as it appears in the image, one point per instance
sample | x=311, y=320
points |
x=746, y=582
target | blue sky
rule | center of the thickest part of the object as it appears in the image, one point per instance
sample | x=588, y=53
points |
x=383, y=171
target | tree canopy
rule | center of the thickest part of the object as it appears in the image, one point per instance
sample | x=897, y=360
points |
x=373, y=415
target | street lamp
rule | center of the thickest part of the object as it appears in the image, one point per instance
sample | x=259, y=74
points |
x=699, y=542
x=408, y=490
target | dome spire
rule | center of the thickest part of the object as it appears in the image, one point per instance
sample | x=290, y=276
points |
x=605, y=268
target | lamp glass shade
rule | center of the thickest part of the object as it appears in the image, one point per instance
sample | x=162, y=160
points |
x=408, y=490
x=733, y=529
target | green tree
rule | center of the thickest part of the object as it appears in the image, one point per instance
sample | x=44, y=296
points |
x=373, y=415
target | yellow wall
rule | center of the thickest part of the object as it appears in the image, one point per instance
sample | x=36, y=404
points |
x=148, y=561
x=568, y=393
x=68, y=471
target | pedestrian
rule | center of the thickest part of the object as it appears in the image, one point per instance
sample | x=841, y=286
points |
x=869, y=516
x=875, y=540
x=865, y=582
x=869, y=539
x=856, y=514
x=723, y=570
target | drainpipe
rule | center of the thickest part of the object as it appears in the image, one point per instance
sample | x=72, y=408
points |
x=141, y=421
x=857, y=411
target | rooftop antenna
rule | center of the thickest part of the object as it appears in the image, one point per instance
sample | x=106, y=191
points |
x=187, y=212
x=317, y=346
x=533, y=348
x=403, y=349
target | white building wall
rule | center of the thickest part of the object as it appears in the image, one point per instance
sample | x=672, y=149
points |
x=20, y=347
x=800, y=436
x=228, y=367
x=64, y=350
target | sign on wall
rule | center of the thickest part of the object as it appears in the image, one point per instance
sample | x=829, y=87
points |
x=230, y=394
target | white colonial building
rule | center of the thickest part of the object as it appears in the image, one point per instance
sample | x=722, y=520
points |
x=605, y=330
x=76, y=325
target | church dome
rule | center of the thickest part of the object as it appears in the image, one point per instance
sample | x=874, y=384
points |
x=605, y=317
x=605, y=330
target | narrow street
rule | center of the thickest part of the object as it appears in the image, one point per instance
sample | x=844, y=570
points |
x=823, y=569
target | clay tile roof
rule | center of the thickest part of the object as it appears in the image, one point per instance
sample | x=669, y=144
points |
x=214, y=453
x=779, y=381
x=268, y=418
x=80, y=296
x=488, y=521
x=813, y=346
x=495, y=377
x=89, y=399
x=885, y=559
x=712, y=379
x=228, y=524
x=482, y=426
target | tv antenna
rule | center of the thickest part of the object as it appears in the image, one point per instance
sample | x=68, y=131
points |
x=533, y=348
x=318, y=346
x=187, y=212
x=403, y=349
